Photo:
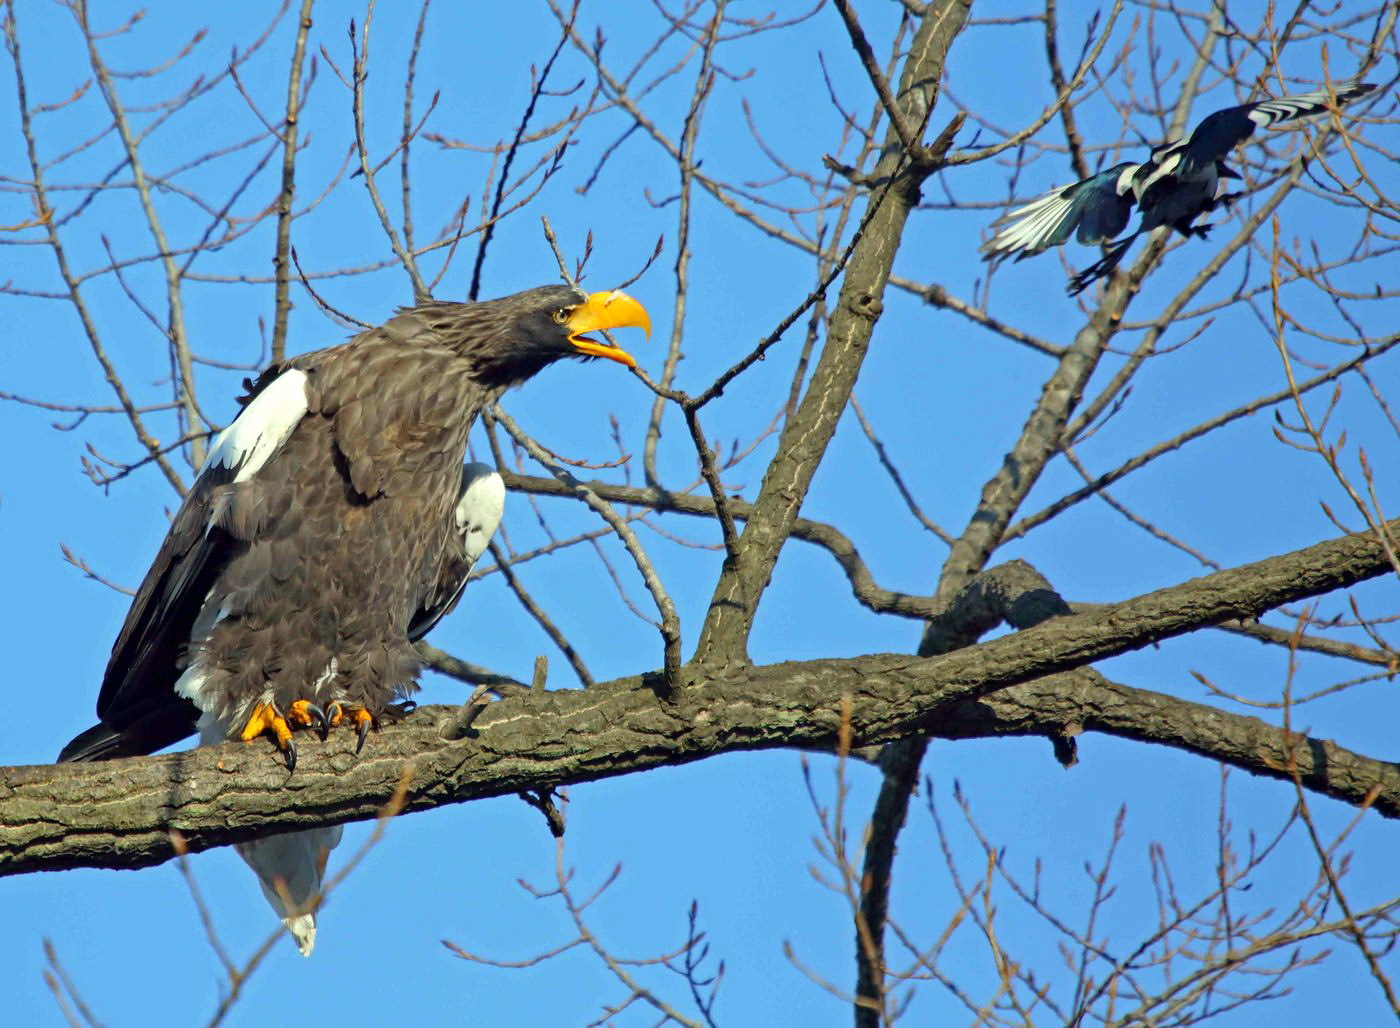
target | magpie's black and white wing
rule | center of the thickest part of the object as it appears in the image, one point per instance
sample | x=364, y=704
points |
x=1094, y=210
x=140, y=708
x=1221, y=132
x=479, y=507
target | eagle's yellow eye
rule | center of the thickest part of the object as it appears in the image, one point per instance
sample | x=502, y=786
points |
x=561, y=316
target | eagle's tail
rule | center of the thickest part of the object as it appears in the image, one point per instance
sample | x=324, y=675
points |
x=290, y=868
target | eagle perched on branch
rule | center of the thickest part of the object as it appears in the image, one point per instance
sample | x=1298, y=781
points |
x=331, y=526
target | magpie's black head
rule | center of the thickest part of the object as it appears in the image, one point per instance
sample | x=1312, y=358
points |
x=512, y=338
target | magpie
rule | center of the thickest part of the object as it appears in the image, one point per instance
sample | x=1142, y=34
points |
x=1178, y=183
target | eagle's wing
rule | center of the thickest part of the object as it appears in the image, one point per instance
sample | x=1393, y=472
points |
x=479, y=507
x=139, y=709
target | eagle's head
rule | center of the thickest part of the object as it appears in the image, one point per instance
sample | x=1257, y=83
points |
x=512, y=338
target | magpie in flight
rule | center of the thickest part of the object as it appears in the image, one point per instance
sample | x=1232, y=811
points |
x=1178, y=183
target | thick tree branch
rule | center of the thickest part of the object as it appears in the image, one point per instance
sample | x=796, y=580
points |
x=120, y=814
x=1061, y=706
x=724, y=637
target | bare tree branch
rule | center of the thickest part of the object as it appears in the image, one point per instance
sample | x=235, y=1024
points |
x=120, y=813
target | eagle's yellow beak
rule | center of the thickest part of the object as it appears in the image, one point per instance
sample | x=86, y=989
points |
x=611, y=309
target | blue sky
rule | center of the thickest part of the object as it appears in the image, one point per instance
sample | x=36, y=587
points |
x=735, y=833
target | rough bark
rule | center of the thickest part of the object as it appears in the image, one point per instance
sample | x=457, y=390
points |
x=120, y=814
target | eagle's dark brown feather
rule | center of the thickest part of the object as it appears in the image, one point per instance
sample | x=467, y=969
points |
x=302, y=580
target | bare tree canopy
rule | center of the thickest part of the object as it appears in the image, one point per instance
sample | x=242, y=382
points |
x=991, y=654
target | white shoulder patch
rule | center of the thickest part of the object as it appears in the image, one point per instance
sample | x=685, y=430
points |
x=1165, y=161
x=479, y=510
x=262, y=427
x=1124, y=185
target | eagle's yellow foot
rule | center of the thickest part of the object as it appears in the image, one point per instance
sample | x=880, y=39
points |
x=305, y=714
x=266, y=719
x=336, y=712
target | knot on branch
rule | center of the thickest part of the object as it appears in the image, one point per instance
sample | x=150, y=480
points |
x=1014, y=593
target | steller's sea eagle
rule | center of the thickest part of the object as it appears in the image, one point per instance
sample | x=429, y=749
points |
x=332, y=524
x=1177, y=184
x=291, y=866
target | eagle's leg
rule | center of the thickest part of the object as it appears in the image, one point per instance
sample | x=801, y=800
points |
x=266, y=719
x=363, y=720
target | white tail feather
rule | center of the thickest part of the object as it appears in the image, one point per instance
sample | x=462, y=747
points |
x=290, y=867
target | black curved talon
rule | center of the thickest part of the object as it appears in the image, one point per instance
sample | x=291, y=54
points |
x=290, y=754
x=323, y=724
x=364, y=734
